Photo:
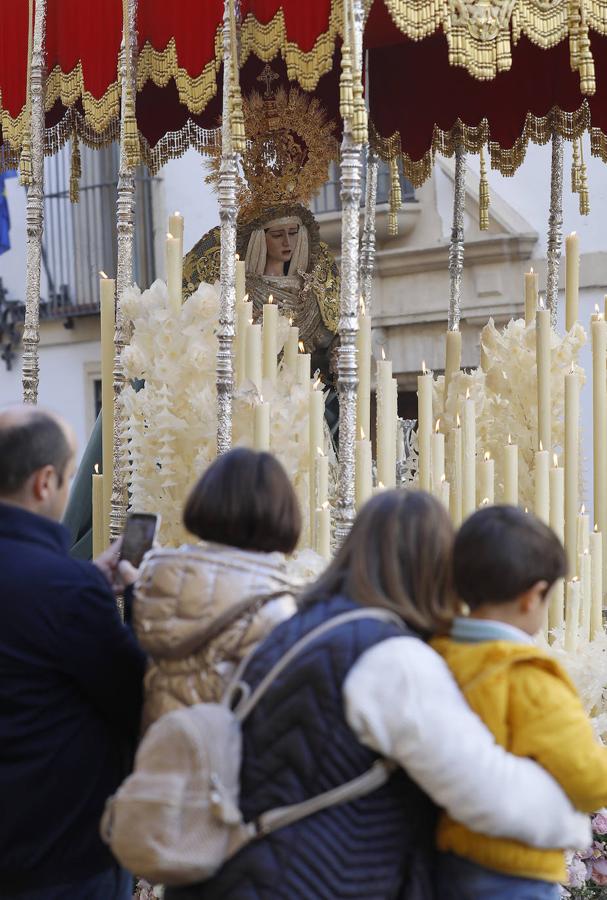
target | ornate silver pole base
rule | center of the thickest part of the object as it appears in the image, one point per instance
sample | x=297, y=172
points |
x=228, y=211
x=367, y=248
x=347, y=370
x=35, y=213
x=555, y=227
x=124, y=277
x=456, y=246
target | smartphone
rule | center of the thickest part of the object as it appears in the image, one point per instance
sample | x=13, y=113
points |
x=138, y=538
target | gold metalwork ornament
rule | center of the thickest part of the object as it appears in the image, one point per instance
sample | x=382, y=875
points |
x=483, y=194
x=395, y=197
x=583, y=184
x=575, y=168
x=26, y=177
x=75, y=170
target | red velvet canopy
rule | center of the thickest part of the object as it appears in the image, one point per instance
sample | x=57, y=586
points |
x=429, y=84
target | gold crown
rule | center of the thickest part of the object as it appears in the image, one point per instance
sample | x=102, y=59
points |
x=289, y=145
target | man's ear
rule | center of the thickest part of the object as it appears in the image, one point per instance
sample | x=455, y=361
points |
x=533, y=596
x=42, y=483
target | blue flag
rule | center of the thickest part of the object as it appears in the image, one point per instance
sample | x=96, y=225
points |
x=5, y=220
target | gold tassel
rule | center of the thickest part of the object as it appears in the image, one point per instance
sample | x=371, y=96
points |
x=75, y=170
x=237, y=120
x=346, y=94
x=483, y=196
x=583, y=184
x=395, y=197
x=131, y=133
x=575, y=168
x=26, y=174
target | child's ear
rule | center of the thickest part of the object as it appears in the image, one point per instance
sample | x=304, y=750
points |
x=533, y=596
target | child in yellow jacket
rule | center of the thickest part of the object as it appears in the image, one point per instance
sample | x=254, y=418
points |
x=505, y=563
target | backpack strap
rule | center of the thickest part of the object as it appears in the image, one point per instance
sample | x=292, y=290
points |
x=248, y=700
x=231, y=615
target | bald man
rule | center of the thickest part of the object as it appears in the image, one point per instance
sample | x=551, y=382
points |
x=70, y=679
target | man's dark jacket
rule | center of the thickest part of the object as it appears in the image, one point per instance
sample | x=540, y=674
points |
x=70, y=697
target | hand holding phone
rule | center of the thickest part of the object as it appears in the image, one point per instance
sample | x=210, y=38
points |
x=139, y=535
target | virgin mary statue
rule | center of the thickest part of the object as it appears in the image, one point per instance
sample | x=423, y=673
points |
x=289, y=147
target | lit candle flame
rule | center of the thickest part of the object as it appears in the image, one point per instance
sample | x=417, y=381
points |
x=362, y=434
x=572, y=370
x=485, y=501
x=582, y=509
x=487, y=456
x=316, y=384
x=596, y=309
x=96, y=468
x=320, y=451
x=424, y=367
x=575, y=578
x=527, y=510
x=301, y=347
x=531, y=270
x=596, y=528
x=467, y=393
x=437, y=426
x=170, y=237
x=260, y=399
x=510, y=439
x=363, y=308
x=245, y=298
x=443, y=478
x=237, y=257
x=381, y=485
x=455, y=327
x=177, y=213
x=270, y=299
x=541, y=303
x=325, y=505
x=586, y=552
x=383, y=354
x=541, y=447
x=555, y=460
x=290, y=321
x=457, y=420
x=102, y=275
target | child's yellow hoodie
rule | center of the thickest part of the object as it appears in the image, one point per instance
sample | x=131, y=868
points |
x=528, y=702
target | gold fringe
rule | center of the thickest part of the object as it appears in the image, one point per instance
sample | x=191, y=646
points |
x=537, y=129
x=346, y=91
x=69, y=88
x=480, y=37
x=75, y=170
x=160, y=66
x=483, y=195
x=395, y=198
x=267, y=41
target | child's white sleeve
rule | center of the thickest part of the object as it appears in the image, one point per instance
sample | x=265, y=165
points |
x=402, y=701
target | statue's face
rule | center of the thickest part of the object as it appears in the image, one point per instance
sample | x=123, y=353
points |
x=280, y=242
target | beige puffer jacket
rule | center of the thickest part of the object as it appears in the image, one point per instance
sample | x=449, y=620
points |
x=179, y=596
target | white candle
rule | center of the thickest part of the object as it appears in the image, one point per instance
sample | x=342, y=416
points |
x=107, y=287
x=572, y=279
x=241, y=280
x=303, y=366
x=316, y=417
x=363, y=396
x=511, y=473
x=385, y=424
x=322, y=478
x=531, y=286
x=544, y=409
x=486, y=481
x=599, y=422
x=596, y=557
x=323, y=531
x=98, y=516
x=572, y=468
x=176, y=229
x=244, y=315
x=253, y=354
x=572, y=617
x=455, y=501
x=261, y=437
x=445, y=493
x=174, y=265
x=364, y=471
x=584, y=565
x=582, y=537
x=292, y=348
x=542, y=490
x=270, y=340
x=468, y=457
x=557, y=523
x=438, y=459
x=424, y=426
x=453, y=356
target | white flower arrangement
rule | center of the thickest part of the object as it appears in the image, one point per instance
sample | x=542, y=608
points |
x=505, y=396
x=170, y=410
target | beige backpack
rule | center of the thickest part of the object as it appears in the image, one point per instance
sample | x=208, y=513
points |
x=176, y=819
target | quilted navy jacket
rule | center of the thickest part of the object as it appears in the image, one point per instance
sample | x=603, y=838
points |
x=298, y=744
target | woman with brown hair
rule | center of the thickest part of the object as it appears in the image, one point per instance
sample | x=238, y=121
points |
x=199, y=609
x=365, y=688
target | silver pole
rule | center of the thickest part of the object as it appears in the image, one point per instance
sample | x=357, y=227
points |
x=555, y=227
x=456, y=246
x=35, y=212
x=367, y=250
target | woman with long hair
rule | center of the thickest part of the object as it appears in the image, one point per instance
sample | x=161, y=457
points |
x=365, y=689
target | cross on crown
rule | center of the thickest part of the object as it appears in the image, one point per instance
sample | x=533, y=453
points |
x=268, y=76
